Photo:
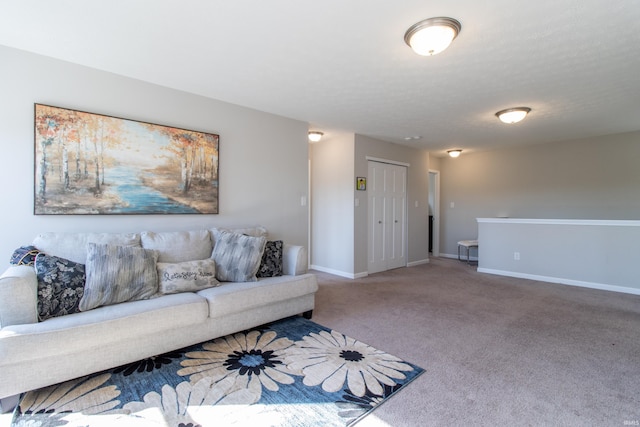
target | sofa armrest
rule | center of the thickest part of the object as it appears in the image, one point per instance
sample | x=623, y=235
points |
x=18, y=296
x=294, y=260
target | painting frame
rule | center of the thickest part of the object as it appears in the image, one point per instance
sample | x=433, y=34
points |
x=94, y=164
x=361, y=183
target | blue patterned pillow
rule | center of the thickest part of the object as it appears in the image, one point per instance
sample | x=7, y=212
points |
x=60, y=286
x=24, y=255
x=271, y=264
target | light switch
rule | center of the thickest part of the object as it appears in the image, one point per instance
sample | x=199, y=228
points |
x=303, y=201
x=357, y=202
x=453, y=205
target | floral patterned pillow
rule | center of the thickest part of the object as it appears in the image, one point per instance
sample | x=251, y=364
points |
x=60, y=286
x=271, y=264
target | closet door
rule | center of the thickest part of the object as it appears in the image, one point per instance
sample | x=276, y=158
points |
x=387, y=197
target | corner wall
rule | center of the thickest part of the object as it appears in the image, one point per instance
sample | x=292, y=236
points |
x=417, y=198
x=263, y=157
x=595, y=178
x=332, y=228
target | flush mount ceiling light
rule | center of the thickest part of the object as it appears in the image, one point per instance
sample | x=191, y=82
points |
x=315, y=136
x=454, y=153
x=513, y=115
x=432, y=35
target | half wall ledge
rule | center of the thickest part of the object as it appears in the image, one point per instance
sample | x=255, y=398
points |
x=592, y=253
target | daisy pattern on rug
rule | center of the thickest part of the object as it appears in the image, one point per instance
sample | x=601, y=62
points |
x=251, y=361
x=353, y=407
x=85, y=395
x=189, y=405
x=331, y=359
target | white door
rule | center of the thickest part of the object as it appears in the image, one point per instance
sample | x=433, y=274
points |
x=387, y=196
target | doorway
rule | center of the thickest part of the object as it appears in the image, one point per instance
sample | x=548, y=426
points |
x=387, y=213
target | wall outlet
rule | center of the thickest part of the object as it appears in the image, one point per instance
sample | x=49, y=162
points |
x=516, y=256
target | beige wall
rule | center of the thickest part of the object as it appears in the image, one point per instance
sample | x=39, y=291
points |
x=263, y=157
x=339, y=227
x=596, y=178
x=332, y=206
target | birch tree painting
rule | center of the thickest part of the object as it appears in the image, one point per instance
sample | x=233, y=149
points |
x=88, y=163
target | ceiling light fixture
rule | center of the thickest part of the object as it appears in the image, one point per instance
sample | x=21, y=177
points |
x=454, y=153
x=315, y=136
x=432, y=35
x=513, y=115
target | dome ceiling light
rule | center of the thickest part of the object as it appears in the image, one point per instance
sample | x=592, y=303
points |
x=432, y=36
x=454, y=153
x=513, y=115
x=315, y=136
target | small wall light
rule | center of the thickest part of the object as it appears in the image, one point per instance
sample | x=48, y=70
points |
x=315, y=136
x=513, y=115
x=454, y=153
x=432, y=36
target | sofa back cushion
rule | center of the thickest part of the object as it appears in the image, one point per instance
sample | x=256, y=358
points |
x=178, y=246
x=257, y=231
x=118, y=274
x=73, y=246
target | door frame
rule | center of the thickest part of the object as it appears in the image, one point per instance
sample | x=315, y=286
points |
x=436, y=211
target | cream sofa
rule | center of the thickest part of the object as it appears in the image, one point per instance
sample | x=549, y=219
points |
x=36, y=353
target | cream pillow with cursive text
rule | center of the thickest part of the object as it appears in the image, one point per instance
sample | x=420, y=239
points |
x=187, y=276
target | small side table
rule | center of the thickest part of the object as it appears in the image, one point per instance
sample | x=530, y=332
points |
x=468, y=244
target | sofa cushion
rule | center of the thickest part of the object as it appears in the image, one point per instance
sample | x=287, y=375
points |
x=237, y=256
x=234, y=298
x=117, y=274
x=60, y=286
x=83, y=332
x=178, y=246
x=73, y=246
x=188, y=276
x=271, y=263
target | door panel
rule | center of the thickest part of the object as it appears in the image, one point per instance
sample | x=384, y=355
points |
x=387, y=216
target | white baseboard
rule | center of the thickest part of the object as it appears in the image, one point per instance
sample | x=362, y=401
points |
x=339, y=273
x=420, y=262
x=462, y=257
x=561, y=281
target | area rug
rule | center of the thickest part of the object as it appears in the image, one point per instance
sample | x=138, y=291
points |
x=293, y=372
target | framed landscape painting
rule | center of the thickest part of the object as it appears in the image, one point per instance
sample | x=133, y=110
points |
x=89, y=163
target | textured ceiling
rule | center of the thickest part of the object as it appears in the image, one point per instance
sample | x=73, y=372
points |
x=343, y=65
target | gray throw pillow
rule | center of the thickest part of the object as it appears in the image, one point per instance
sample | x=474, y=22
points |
x=237, y=256
x=118, y=274
x=187, y=276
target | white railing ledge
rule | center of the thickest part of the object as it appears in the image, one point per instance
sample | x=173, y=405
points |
x=545, y=221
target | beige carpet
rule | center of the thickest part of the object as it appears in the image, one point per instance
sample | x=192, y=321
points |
x=496, y=350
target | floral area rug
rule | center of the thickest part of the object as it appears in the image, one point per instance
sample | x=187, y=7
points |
x=293, y=372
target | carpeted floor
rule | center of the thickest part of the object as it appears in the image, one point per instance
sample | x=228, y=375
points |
x=496, y=350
